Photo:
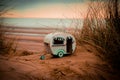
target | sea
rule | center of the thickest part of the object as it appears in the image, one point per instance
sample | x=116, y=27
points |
x=42, y=22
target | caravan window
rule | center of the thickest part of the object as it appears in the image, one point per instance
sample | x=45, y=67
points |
x=58, y=40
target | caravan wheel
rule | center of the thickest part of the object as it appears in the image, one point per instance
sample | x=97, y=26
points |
x=60, y=54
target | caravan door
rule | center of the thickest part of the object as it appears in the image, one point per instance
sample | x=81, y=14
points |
x=69, y=45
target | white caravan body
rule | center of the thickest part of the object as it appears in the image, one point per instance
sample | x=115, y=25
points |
x=60, y=43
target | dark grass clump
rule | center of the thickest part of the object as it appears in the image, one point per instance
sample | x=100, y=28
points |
x=7, y=46
x=101, y=29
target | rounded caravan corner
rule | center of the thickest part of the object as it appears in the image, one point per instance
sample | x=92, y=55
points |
x=47, y=42
x=58, y=42
x=48, y=38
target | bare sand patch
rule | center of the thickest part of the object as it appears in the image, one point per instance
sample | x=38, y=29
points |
x=82, y=65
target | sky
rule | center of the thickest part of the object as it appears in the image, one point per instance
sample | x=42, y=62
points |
x=44, y=8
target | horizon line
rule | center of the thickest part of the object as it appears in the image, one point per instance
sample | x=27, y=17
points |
x=41, y=18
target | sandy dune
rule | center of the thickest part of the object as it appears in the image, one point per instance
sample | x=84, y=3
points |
x=82, y=65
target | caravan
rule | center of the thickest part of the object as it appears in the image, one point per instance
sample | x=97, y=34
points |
x=60, y=43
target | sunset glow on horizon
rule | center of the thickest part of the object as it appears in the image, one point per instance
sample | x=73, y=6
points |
x=48, y=10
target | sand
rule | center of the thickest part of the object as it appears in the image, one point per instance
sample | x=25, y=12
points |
x=81, y=65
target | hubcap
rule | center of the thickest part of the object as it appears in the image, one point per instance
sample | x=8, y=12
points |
x=60, y=54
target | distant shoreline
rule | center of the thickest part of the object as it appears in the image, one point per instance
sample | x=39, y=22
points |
x=41, y=22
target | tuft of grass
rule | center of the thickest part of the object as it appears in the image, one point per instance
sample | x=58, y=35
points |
x=6, y=46
x=101, y=30
x=26, y=53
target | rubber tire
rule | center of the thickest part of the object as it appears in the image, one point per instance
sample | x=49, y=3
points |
x=60, y=54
